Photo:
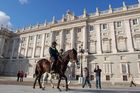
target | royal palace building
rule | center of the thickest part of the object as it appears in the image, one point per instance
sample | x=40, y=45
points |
x=110, y=39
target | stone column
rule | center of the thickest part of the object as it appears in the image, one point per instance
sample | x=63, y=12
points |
x=42, y=45
x=13, y=46
x=129, y=36
x=26, y=48
x=52, y=37
x=113, y=40
x=73, y=34
x=98, y=36
x=2, y=41
x=62, y=39
x=85, y=32
x=19, y=49
x=34, y=46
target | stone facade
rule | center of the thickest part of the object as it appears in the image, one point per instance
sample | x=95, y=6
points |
x=110, y=39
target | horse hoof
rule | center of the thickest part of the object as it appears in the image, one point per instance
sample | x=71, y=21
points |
x=52, y=87
x=33, y=87
x=59, y=89
x=43, y=88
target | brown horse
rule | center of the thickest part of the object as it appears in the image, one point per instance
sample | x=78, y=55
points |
x=44, y=65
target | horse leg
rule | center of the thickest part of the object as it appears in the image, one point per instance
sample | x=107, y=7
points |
x=39, y=81
x=35, y=81
x=50, y=79
x=66, y=82
x=43, y=81
x=60, y=77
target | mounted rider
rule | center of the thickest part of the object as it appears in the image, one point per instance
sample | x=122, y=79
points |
x=54, y=54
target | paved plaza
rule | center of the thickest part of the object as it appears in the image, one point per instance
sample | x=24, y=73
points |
x=9, y=85
x=29, y=89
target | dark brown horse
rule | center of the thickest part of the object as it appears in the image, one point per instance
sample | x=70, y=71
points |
x=43, y=66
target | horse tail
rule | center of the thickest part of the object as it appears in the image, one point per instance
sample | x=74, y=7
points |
x=36, y=72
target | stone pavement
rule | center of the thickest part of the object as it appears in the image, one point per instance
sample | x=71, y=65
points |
x=29, y=89
x=10, y=84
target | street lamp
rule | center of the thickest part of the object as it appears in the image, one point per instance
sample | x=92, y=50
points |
x=81, y=51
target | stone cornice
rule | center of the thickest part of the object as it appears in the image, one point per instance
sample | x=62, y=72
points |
x=113, y=15
x=6, y=32
x=61, y=25
x=77, y=22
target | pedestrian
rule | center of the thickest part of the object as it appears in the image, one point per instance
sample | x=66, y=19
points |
x=132, y=81
x=18, y=75
x=98, y=71
x=21, y=76
x=86, y=78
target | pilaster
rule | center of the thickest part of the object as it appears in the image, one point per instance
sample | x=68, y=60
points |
x=26, y=48
x=62, y=39
x=34, y=46
x=113, y=39
x=13, y=48
x=73, y=34
x=85, y=38
x=97, y=27
x=42, y=45
x=129, y=36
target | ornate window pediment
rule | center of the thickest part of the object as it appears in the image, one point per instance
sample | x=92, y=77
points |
x=121, y=43
x=106, y=45
x=137, y=43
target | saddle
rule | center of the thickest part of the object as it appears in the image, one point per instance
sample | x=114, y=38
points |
x=57, y=65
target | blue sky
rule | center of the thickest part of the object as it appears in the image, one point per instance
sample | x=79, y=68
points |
x=22, y=13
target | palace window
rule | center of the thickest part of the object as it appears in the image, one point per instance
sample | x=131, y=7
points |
x=124, y=68
x=92, y=47
x=29, y=53
x=137, y=44
x=106, y=46
x=30, y=38
x=103, y=26
x=22, y=52
x=124, y=71
x=118, y=24
x=107, y=68
x=91, y=28
x=47, y=35
x=57, y=33
x=78, y=30
x=46, y=51
x=134, y=21
x=122, y=45
x=23, y=39
x=104, y=58
x=38, y=36
x=37, y=52
x=138, y=56
x=67, y=31
x=138, y=66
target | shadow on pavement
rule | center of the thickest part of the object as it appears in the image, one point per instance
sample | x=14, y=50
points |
x=102, y=91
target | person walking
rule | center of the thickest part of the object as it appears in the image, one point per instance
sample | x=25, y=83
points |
x=18, y=75
x=98, y=71
x=21, y=76
x=86, y=78
x=132, y=81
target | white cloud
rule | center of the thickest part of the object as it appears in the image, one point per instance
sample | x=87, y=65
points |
x=4, y=19
x=23, y=1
